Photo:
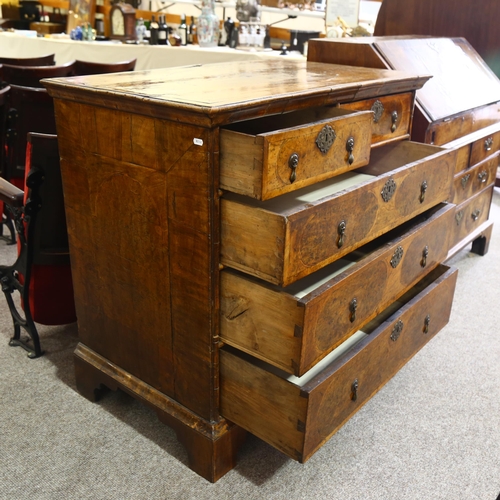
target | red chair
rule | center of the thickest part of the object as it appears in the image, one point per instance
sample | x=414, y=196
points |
x=41, y=273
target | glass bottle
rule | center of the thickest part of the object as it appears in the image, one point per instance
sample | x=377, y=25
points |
x=192, y=35
x=183, y=30
x=163, y=32
x=153, y=31
x=208, y=25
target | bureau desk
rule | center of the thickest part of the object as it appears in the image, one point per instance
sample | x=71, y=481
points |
x=248, y=254
x=458, y=108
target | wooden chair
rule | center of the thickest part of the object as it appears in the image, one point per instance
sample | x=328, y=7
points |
x=47, y=60
x=93, y=68
x=41, y=273
x=30, y=76
x=29, y=110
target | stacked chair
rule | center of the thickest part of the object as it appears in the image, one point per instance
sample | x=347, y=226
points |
x=31, y=191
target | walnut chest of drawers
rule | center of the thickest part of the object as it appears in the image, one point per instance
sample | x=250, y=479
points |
x=248, y=255
x=458, y=108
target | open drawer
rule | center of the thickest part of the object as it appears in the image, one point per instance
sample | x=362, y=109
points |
x=289, y=237
x=273, y=155
x=297, y=415
x=294, y=327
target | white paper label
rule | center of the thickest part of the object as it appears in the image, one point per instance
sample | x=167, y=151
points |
x=198, y=142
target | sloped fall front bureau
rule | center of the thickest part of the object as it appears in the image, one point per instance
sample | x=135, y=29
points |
x=249, y=254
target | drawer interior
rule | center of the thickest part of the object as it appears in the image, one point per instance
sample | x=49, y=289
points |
x=383, y=160
x=393, y=156
x=298, y=414
x=357, y=337
x=273, y=123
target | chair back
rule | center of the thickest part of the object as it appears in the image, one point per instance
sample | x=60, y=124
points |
x=4, y=94
x=50, y=239
x=94, y=68
x=47, y=60
x=29, y=110
x=30, y=76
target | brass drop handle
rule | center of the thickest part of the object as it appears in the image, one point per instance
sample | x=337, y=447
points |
x=394, y=120
x=464, y=180
x=350, y=148
x=423, y=189
x=353, y=306
x=341, y=233
x=483, y=176
x=488, y=143
x=475, y=214
x=427, y=321
x=425, y=254
x=354, y=390
x=293, y=162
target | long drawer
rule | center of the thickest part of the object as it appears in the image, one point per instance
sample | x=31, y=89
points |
x=285, y=239
x=294, y=327
x=296, y=415
x=273, y=155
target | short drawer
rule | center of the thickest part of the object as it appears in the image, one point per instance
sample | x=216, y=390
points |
x=294, y=327
x=391, y=115
x=463, y=155
x=473, y=180
x=269, y=156
x=470, y=215
x=285, y=239
x=297, y=415
x=484, y=147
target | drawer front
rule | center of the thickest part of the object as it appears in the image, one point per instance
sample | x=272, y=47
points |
x=297, y=419
x=269, y=164
x=282, y=247
x=470, y=215
x=293, y=332
x=463, y=155
x=470, y=182
x=391, y=115
x=484, y=147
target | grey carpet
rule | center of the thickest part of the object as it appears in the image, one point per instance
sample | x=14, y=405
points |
x=433, y=432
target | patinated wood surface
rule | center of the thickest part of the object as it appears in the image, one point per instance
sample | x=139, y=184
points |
x=395, y=119
x=471, y=214
x=137, y=197
x=475, y=21
x=468, y=183
x=297, y=420
x=222, y=93
x=294, y=332
x=256, y=155
x=291, y=240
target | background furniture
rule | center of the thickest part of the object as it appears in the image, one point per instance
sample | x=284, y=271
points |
x=166, y=212
x=148, y=57
x=94, y=68
x=458, y=108
x=41, y=273
x=475, y=21
x=30, y=109
x=45, y=60
x=30, y=76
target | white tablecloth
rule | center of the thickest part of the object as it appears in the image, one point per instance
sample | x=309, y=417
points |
x=148, y=57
